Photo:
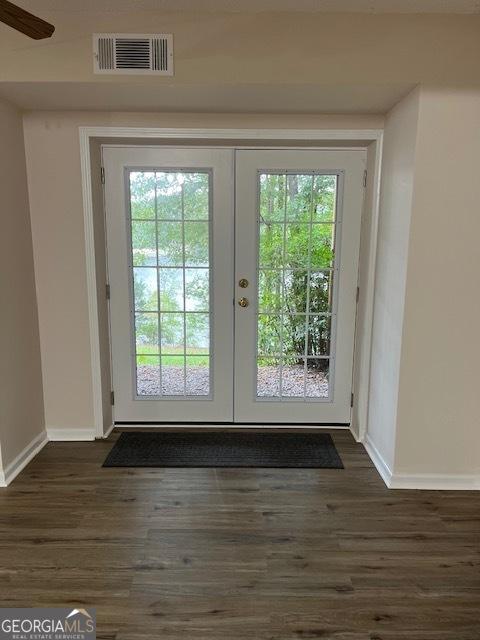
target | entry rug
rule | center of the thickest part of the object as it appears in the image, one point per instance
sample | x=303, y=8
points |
x=224, y=449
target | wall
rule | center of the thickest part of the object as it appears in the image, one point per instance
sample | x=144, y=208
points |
x=398, y=169
x=423, y=415
x=438, y=430
x=53, y=161
x=21, y=403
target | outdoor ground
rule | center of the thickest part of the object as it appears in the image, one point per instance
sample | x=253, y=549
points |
x=197, y=382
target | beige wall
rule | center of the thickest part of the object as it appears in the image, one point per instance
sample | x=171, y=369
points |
x=53, y=161
x=438, y=429
x=398, y=167
x=423, y=415
x=21, y=403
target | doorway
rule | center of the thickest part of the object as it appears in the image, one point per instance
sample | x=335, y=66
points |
x=233, y=279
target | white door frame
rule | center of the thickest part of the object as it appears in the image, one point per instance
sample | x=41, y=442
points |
x=357, y=138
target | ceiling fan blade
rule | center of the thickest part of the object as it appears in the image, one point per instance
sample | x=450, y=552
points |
x=24, y=21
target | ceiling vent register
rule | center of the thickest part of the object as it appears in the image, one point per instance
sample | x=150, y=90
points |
x=123, y=53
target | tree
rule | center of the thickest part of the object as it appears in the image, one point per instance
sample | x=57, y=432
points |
x=296, y=254
x=170, y=233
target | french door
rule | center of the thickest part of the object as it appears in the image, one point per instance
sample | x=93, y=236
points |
x=170, y=253
x=233, y=278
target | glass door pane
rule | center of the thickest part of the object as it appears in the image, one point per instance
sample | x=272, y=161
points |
x=170, y=232
x=296, y=278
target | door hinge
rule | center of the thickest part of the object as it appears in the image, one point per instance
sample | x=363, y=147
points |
x=358, y=294
x=365, y=178
x=351, y=399
x=107, y=291
x=112, y=398
x=102, y=174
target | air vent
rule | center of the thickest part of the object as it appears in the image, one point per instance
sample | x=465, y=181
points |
x=123, y=53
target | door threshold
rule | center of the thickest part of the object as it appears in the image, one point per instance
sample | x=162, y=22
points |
x=233, y=425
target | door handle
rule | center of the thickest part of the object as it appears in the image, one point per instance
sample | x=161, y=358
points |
x=243, y=302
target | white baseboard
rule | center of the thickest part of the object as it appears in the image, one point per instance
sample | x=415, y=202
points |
x=425, y=481
x=355, y=435
x=377, y=459
x=56, y=434
x=108, y=431
x=12, y=470
x=435, y=482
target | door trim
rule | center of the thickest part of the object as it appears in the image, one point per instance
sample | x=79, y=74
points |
x=358, y=137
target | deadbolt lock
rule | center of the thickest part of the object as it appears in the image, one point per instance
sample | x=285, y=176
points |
x=243, y=302
x=243, y=282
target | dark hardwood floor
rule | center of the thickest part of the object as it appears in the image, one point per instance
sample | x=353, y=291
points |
x=206, y=554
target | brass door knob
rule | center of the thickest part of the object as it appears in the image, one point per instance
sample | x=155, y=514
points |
x=243, y=282
x=243, y=302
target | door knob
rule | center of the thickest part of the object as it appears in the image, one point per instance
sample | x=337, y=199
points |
x=243, y=302
x=243, y=282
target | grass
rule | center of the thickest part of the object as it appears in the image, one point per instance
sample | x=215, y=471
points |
x=149, y=355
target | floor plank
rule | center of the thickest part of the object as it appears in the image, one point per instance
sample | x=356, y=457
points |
x=240, y=554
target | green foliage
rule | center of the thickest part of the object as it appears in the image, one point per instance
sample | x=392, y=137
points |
x=295, y=254
x=142, y=195
x=158, y=200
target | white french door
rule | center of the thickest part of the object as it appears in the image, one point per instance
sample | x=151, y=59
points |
x=297, y=241
x=169, y=217
x=260, y=330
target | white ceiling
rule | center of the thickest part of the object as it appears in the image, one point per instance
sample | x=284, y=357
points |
x=245, y=98
x=331, y=6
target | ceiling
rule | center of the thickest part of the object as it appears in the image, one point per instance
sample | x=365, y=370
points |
x=247, y=62
x=245, y=98
x=330, y=6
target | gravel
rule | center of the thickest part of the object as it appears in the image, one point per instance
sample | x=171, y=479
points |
x=292, y=382
x=197, y=383
x=148, y=380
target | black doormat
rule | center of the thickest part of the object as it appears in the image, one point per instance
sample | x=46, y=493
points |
x=223, y=449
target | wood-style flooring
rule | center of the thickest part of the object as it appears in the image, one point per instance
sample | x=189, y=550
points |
x=247, y=554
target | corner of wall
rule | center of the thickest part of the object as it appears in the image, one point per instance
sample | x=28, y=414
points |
x=430, y=175
x=438, y=442
x=378, y=460
x=25, y=456
x=398, y=166
x=22, y=422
